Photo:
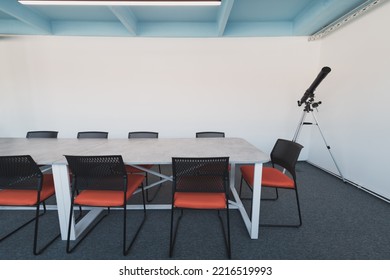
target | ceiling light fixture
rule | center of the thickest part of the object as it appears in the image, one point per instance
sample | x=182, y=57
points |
x=123, y=2
x=357, y=12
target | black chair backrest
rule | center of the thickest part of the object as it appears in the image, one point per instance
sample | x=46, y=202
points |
x=92, y=134
x=97, y=172
x=285, y=153
x=200, y=174
x=210, y=134
x=19, y=172
x=42, y=134
x=143, y=134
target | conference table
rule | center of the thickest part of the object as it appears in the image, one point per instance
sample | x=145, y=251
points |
x=137, y=152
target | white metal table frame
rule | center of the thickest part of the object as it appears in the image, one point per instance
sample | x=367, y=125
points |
x=138, y=152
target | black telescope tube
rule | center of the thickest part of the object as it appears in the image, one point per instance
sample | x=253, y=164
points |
x=310, y=91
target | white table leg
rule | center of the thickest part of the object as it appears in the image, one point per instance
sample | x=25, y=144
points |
x=237, y=201
x=256, y=197
x=63, y=193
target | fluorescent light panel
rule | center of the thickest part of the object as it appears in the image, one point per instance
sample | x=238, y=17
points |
x=122, y=2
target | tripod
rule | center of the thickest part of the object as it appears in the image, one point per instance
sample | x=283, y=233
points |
x=309, y=105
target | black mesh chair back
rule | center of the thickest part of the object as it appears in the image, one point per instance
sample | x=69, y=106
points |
x=97, y=172
x=143, y=134
x=42, y=134
x=92, y=134
x=19, y=172
x=200, y=174
x=285, y=153
x=210, y=134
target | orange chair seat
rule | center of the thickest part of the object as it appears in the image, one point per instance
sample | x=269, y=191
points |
x=199, y=200
x=107, y=198
x=271, y=177
x=131, y=169
x=13, y=197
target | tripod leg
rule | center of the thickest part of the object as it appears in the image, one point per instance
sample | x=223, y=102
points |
x=298, y=130
x=328, y=147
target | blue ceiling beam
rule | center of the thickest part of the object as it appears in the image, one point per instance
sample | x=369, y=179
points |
x=89, y=28
x=16, y=27
x=223, y=16
x=259, y=29
x=18, y=11
x=126, y=17
x=321, y=13
x=176, y=29
x=145, y=29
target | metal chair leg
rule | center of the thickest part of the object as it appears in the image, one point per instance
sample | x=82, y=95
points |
x=173, y=233
x=226, y=236
x=35, y=247
x=299, y=208
x=126, y=249
x=242, y=178
x=36, y=219
x=292, y=225
x=68, y=247
x=19, y=228
x=247, y=198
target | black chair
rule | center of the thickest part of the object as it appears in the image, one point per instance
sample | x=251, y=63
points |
x=42, y=134
x=143, y=134
x=209, y=134
x=102, y=181
x=284, y=155
x=200, y=183
x=92, y=134
x=23, y=184
x=131, y=169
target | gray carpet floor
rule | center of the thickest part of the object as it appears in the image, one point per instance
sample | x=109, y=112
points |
x=340, y=222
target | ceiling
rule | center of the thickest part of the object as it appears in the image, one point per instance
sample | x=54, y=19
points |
x=234, y=18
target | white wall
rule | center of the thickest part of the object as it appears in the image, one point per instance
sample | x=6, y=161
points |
x=247, y=87
x=355, y=112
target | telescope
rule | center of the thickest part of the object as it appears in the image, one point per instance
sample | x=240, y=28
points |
x=310, y=105
x=310, y=91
